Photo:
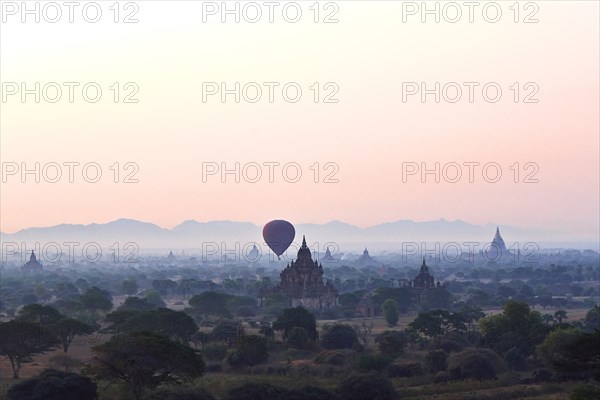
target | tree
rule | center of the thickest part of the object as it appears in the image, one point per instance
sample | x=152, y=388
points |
x=96, y=299
x=175, y=324
x=251, y=350
x=439, y=322
x=389, y=309
x=154, y=297
x=339, y=336
x=20, y=340
x=297, y=317
x=54, y=385
x=559, y=315
x=144, y=360
x=592, y=319
x=134, y=303
x=553, y=350
x=582, y=355
x=517, y=326
x=210, y=303
x=66, y=329
x=361, y=387
x=37, y=313
x=297, y=338
x=129, y=287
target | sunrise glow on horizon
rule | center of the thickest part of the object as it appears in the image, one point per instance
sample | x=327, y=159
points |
x=356, y=147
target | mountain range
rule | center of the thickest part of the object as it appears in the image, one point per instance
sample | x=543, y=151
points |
x=192, y=234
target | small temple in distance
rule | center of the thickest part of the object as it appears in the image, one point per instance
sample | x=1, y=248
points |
x=365, y=259
x=33, y=265
x=302, y=283
x=497, y=248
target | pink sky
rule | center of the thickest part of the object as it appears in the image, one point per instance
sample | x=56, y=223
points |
x=368, y=134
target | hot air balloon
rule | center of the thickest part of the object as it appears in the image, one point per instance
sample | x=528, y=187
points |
x=278, y=235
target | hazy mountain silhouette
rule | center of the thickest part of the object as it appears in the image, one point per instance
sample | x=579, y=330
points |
x=191, y=234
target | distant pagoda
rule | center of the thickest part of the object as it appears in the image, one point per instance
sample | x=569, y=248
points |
x=33, y=265
x=365, y=259
x=497, y=248
x=302, y=283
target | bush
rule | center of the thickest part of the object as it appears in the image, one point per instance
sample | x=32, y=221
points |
x=436, y=360
x=54, y=385
x=265, y=391
x=361, y=387
x=257, y=391
x=251, y=350
x=585, y=392
x=339, y=336
x=441, y=377
x=179, y=393
x=479, y=364
x=405, y=370
x=376, y=362
x=333, y=357
x=448, y=346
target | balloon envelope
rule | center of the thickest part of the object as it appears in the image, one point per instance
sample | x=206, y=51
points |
x=278, y=235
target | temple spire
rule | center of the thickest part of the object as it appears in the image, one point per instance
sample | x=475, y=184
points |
x=304, y=241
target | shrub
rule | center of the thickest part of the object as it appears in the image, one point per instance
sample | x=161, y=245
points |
x=448, y=346
x=441, y=377
x=361, y=387
x=251, y=350
x=405, y=370
x=339, y=336
x=376, y=362
x=54, y=385
x=179, y=393
x=333, y=357
x=436, y=360
x=585, y=392
x=480, y=364
x=257, y=391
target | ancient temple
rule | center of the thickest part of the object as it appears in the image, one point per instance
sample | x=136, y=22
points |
x=365, y=259
x=171, y=257
x=497, y=248
x=302, y=283
x=424, y=280
x=253, y=254
x=33, y=265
